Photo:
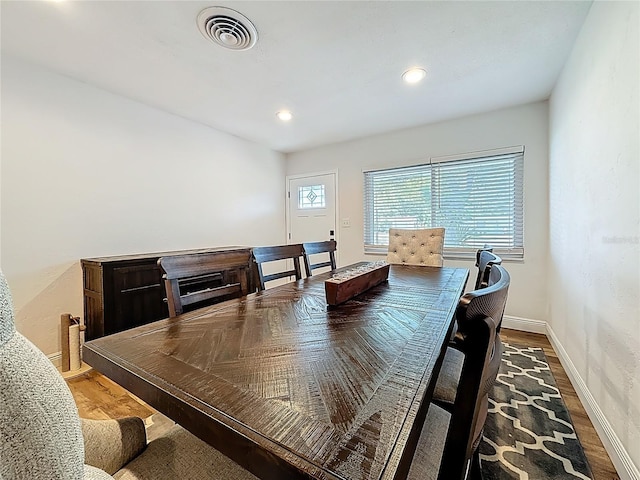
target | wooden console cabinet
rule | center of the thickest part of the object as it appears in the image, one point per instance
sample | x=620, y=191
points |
x=125, y=291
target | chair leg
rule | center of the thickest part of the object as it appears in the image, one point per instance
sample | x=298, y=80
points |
x=475, y=471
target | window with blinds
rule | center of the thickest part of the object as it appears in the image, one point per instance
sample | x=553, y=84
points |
x=477, y=198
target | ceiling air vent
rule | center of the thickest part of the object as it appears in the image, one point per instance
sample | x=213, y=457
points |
x=227, y=28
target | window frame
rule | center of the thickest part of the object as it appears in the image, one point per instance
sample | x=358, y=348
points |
x=516, y=252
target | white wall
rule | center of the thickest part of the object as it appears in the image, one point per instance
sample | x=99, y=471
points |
x=594, y=261
x=526, y=125
x=86, y=173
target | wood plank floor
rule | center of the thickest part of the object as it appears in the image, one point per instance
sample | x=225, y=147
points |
x=599, y=460
x=98, y=397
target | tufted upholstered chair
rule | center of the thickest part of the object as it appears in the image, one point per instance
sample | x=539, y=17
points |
x=43, y=438
x=416, y=247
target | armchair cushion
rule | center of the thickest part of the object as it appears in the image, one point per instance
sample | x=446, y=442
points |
x=447, y=384
x=428, y=455
x=94, y=473
x=179, y=455
x=40, y=434
x=41, y=437
x=110, y=444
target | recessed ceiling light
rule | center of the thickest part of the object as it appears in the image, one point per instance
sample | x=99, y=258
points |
x=284, y=115
x=414, y=75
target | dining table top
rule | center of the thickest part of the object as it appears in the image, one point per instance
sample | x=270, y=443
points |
x=289, y=387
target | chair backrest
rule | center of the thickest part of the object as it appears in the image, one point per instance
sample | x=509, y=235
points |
x=495, y=276
x=416, y=247
x=204, y=278
x=486, y=248
x=312, y=248
x=40, y=434
x=485, y=260
x=477, y=315
x=263, y=255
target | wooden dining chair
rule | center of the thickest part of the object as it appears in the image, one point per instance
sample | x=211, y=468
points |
x=447, y=448
x=313, y=248
x=416, y=247
x=203, y=278
x=455, y=356
x=262, y=255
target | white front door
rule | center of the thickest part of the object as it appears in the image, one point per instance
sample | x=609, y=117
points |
x=312, y=207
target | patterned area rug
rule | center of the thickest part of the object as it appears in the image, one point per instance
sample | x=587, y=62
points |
x=528, y=433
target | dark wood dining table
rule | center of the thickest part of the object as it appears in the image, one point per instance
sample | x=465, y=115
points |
x=289, y=387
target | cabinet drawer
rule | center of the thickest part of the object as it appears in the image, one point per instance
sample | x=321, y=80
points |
x=135, y=278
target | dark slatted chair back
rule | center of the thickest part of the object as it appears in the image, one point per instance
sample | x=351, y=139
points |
x=493, y=278
x=204, y=278
x=262, y=255
x=313, y=248
x=478, y=315
x=447, y=448
x=485, y=260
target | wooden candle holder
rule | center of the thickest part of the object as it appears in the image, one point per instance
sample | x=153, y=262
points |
x=346, y=285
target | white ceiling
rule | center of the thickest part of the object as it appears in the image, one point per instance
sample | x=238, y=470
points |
x=336, y=65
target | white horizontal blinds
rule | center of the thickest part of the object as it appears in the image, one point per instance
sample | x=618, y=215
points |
x=478, y=198
x=395, y=198
x=479, y=201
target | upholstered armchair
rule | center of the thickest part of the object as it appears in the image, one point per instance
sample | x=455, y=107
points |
x=416, y=247
x=42, y=436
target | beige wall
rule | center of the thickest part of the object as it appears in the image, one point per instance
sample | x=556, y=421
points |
x=594, y=261
x=87, y=173
x=526, y=125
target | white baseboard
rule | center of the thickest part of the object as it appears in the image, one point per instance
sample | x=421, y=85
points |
x=625, y=467
x=524, y=324
x=56, y=359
